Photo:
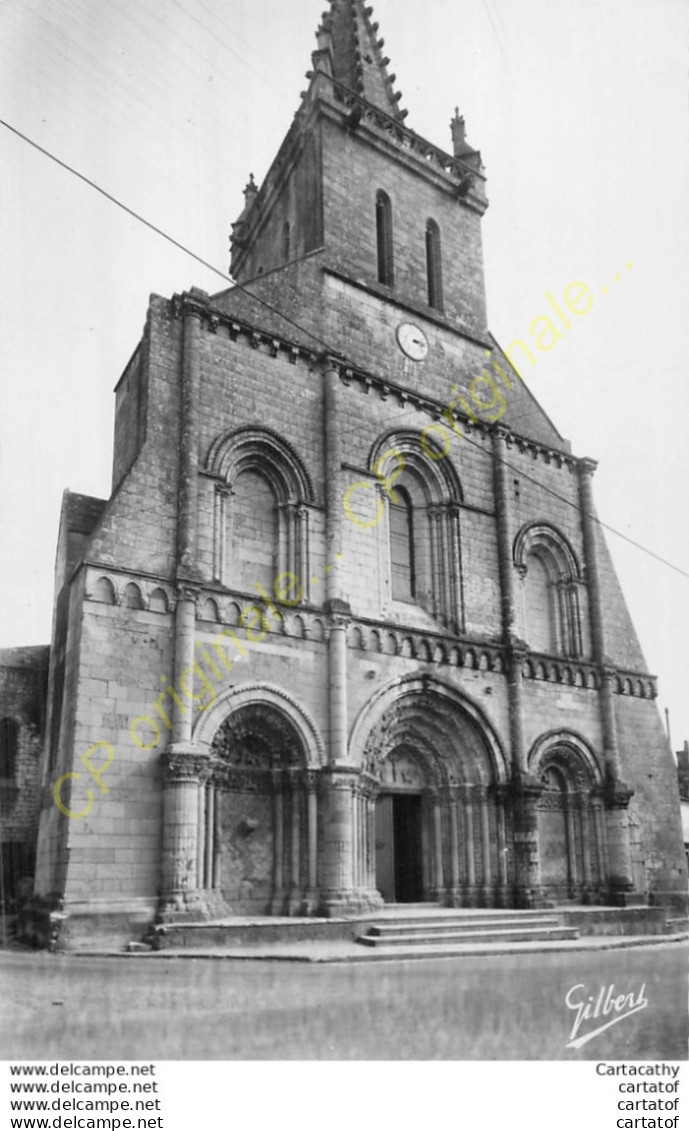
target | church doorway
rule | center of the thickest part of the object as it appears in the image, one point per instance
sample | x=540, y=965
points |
x=399, y=850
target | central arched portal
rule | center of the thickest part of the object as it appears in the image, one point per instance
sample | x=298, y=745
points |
x=436, y=781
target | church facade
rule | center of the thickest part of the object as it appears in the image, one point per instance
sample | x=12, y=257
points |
x=346, y=632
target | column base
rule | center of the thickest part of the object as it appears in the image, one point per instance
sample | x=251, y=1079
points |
x=309, y=905
x=178, y=907
x=530, y=899
x=623, y=897
x=471, y=896
x=294, y=903
x=349, y=902
x=503, y=898
x=277, y=904
x=488, y=898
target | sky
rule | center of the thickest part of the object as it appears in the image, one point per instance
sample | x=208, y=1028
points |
x=581, y=111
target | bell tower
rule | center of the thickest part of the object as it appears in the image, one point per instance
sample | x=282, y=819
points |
x=384, y=208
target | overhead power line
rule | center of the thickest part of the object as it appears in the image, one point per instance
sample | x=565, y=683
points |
x=315, y=337
x=164, y=235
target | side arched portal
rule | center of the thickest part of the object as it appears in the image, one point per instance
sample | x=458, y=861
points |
x=262, y=786
x=257, y=836
x=571, y=829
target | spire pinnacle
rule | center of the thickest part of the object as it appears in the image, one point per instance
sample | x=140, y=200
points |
x=350, y=37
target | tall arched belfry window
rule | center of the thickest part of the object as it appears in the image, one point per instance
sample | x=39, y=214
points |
x=402, y=547
x=384, y=239
x=434, y=270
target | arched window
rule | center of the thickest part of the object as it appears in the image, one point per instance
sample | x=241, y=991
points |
x=255, y=531
x=285, y=241
x=384, y=239
x=434, y=270
x=402, y=547
x=261, y=514
x=9, y=733
x=539, y=610
x=424, y=560
x=551, y=584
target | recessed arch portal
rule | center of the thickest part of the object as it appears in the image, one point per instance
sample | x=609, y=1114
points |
x=431, y=796
x=257, y=822
x=571, y=828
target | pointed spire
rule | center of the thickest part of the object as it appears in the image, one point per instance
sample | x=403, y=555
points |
x=350, y=38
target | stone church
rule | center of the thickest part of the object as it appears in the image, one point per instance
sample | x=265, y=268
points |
x=347, y=632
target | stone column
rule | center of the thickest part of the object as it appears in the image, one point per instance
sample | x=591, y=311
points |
x=184, y=777
x=525, y=796
x=221, y=521
x=503, y=895
x=371, y=885
x=601, y=846
x=277, y=905
x=201, y=854
x=338, y=891
x=184, y=765
x=455, y=893
x=573, y=882
x=338, y=894
x=216, y=880
x=303, y=568
x=210, y=836
x=295, y=900
x=471, y=891
x=438, y=868
x=486, y=879
x=616, y=795
x=311, y=896
x=457, y=615
x=585, y=845
x=525, y=789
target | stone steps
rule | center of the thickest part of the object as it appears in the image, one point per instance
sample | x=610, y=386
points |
x=433, y=924
x=466, y=930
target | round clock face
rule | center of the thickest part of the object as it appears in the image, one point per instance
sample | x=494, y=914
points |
x=412, y=341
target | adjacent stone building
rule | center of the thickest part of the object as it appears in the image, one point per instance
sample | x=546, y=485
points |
x=23, y=679
x=346, y=631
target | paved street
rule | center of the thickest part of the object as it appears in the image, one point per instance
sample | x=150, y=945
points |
x=460, y=1009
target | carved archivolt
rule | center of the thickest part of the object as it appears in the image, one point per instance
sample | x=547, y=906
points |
x=451, y=741
x=565, y=760
x=258, y=736
x=249, y=447
x=279, y=709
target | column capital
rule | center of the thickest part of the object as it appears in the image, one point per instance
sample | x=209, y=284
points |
x=187, y=591
x=339, y=611
x=186, y=763
x=341, y=777
x=502, y=433
x=311, y=779
x=525, y=785
x=586, y=466
x=332, y=363
x=616, y=794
